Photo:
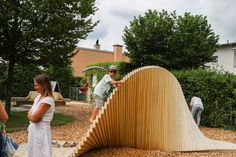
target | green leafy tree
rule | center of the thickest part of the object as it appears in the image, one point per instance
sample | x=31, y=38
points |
x=23, y=79
x=64, y=76
x=3, y=78
x=42, y=32
x=170, y=41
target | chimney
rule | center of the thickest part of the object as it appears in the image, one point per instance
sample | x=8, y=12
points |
x=117, y=52
x=97, y=46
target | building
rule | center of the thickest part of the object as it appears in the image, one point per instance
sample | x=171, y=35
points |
x=225, y=57
x=86, y=56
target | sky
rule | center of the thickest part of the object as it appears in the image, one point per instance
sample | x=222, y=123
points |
x=115, y=15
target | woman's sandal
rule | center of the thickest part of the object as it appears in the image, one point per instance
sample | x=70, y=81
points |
x=69, y=144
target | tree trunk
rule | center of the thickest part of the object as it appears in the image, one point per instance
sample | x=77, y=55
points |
x=9, y=86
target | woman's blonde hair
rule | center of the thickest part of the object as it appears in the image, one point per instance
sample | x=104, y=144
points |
x=45, y=82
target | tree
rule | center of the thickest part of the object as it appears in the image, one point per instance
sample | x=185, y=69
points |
x=170, y=41
x=3, y=78
x=65, y=81
x=23, y=79
x=42, y=32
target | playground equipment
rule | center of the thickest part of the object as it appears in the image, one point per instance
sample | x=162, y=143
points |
x=95, y=67
x=148, y=111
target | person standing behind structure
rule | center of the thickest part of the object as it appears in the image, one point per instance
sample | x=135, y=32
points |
x=196, y=108
x=40, y=116
x=101, y=88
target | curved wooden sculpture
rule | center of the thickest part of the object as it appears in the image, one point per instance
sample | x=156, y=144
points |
x=148, y=111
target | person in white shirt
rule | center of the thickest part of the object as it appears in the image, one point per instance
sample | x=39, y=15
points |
x=196, y=108
x=102, y=86
x=40, y=116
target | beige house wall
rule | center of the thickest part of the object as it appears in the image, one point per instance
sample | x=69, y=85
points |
x=86, y=56
x=226, y=58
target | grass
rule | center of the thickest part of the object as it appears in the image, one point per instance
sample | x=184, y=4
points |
x=18, y=121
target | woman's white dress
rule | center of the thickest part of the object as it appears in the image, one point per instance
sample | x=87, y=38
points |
x=39, y=134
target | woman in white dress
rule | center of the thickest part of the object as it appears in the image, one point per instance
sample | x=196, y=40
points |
x=40, y=116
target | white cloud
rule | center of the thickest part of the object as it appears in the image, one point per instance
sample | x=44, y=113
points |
x=115, y=15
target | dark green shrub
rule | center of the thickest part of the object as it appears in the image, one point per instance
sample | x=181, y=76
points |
x=3, y=78
x=64, y=76
x=23, y=79
x=217, y=91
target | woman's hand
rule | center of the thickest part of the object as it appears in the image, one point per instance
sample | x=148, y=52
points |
x=29, y=115
x=120, y=83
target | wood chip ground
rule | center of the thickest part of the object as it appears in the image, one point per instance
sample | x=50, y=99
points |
x=74, y=132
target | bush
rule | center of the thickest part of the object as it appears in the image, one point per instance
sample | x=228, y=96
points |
x=23, y=79
x=217, y=91
x=3, y=78
x=64, y=76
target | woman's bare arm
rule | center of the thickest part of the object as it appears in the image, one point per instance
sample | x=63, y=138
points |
x=39, y=113
x=3, y=113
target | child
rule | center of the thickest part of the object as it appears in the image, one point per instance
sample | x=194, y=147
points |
x=101, y=88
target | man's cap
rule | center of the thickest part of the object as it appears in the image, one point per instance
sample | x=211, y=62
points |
x=112, y=67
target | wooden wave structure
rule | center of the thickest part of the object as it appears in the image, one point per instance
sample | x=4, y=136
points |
x=148, y=111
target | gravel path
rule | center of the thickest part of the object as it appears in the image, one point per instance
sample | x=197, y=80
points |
x=75, y=130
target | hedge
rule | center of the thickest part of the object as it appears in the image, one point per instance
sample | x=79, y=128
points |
x=217, y=90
